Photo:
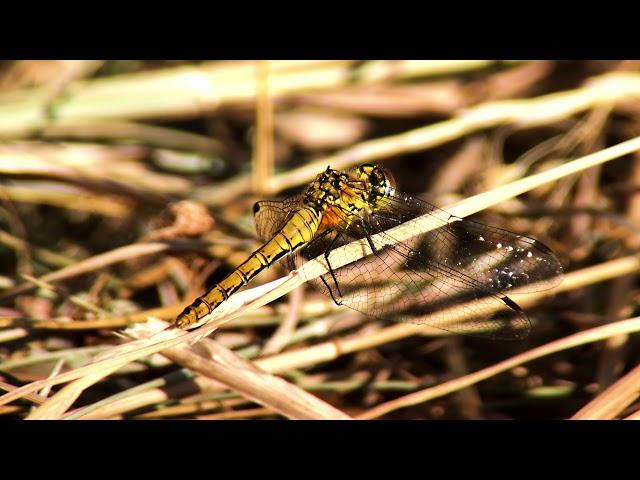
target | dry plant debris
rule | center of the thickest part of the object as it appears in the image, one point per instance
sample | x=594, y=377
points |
x=126, y=190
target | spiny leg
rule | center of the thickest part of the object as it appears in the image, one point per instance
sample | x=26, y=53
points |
x=367, y=234
x=333, y=275
x=327, y=249
x=330, y=291
x=331, y=271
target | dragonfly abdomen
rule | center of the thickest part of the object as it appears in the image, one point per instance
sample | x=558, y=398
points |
x=297, y=232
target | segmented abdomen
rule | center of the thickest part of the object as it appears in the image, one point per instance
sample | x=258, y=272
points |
x=297, y=232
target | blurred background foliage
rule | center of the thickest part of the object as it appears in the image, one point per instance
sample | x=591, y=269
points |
x=126, y=189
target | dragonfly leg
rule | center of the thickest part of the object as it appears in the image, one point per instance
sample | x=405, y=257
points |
x=330, y=291
x=333, y=275
x=326, y=256
x=374, y=250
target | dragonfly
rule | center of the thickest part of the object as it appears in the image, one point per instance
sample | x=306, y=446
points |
x=454, y=275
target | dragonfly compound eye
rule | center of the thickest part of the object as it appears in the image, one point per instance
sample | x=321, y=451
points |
x=377, y=177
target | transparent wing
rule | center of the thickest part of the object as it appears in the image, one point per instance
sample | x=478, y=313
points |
x=453, y=277
x=271, y=215
x=498, y=259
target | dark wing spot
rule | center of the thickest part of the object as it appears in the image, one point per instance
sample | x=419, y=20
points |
x=256, y=207
x=511, y=304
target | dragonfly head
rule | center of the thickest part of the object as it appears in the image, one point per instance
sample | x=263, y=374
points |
x=378, y=181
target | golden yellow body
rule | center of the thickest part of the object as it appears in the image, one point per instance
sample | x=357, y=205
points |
x=333, y=198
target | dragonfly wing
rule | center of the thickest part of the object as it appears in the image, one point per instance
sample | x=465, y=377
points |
x=498, y=259
x=397, y=283
x=452, y=277
x=271, y=215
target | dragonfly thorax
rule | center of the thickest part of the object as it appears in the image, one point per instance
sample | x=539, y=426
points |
x=350, y=193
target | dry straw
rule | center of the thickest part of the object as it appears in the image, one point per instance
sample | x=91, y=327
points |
x=256, y=297
x=589, y=336
x=192, y=90
x=604, y=90
x=221, y=84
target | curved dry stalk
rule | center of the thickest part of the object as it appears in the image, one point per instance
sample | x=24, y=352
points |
x=589, y=336
x=154, y=392
x=115, y=169
x=379, y=70
x=231, y=371
x=252, y=383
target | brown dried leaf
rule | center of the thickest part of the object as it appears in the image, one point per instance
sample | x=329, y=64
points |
x=190, y=219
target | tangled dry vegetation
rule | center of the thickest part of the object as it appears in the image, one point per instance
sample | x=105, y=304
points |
x=126, y=190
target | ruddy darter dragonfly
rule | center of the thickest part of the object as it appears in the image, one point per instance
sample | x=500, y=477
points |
x=453, y=276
